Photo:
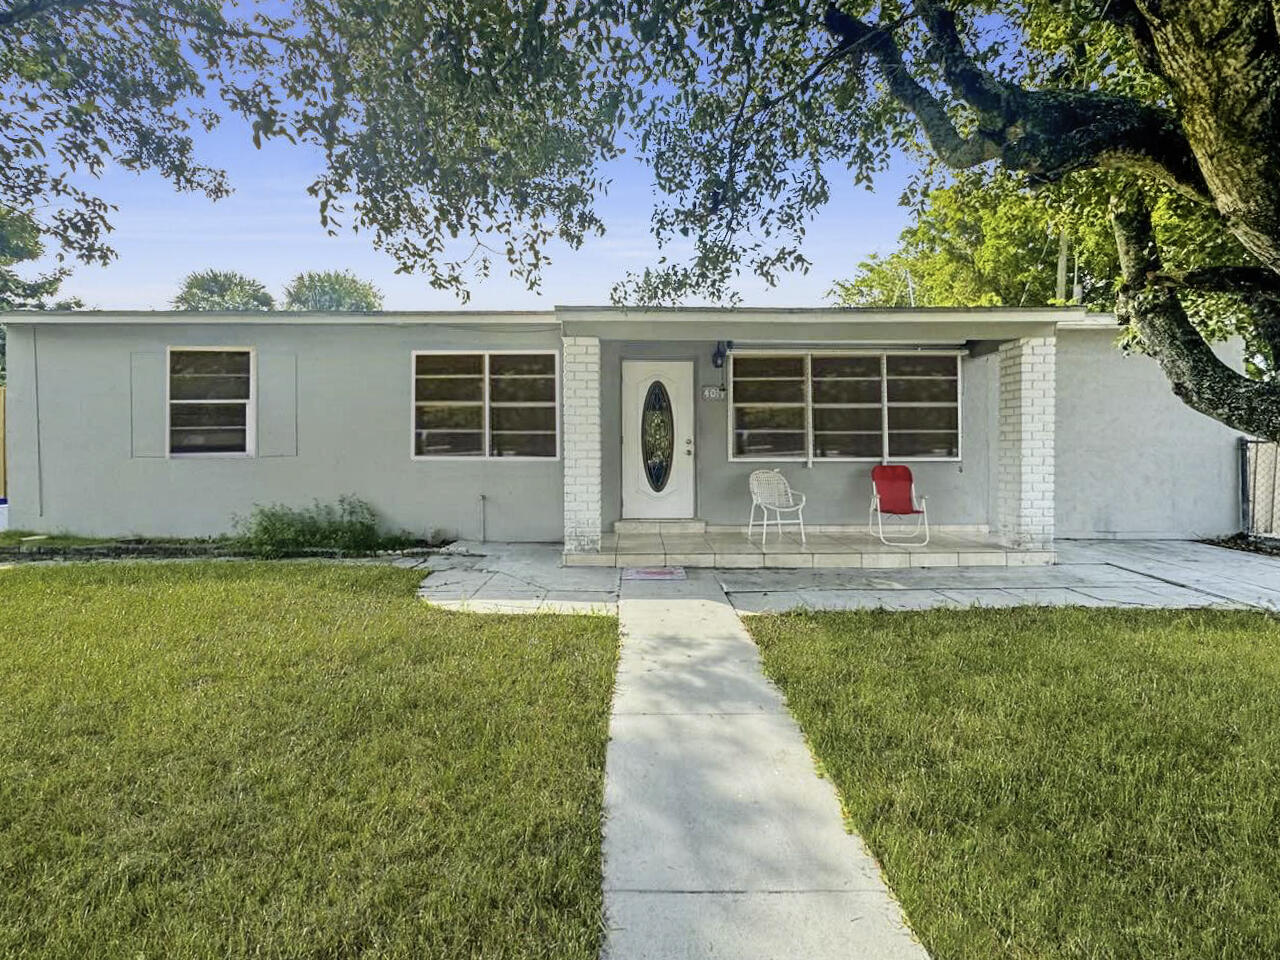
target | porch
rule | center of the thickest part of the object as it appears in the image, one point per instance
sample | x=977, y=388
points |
x=667, y=415
x=728, y=547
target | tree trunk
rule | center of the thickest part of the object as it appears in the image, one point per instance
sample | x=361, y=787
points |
x=1151, y=306
x=1221, y=59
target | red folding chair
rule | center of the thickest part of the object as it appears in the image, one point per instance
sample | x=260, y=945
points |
x=893, y=493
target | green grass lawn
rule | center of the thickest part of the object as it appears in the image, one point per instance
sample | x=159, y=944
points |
x=1054, y=783
x=253, y=760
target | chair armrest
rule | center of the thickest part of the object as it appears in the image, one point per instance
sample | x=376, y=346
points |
x=797, y=496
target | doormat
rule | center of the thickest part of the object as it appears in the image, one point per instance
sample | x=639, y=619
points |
x=653, y=573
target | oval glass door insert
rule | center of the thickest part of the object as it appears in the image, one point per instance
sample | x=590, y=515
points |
x=657, y=436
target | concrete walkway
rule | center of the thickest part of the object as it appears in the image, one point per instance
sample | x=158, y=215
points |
x=720, y=839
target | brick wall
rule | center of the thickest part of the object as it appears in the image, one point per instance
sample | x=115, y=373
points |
x=1026, y=444
x=581, y=398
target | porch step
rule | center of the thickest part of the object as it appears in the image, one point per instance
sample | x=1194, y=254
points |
x=660, y=526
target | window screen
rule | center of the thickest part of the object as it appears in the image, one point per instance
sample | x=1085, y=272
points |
x=846, y=406
x=485, y=405
x=210, y=400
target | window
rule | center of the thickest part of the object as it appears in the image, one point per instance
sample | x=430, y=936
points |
x=769, y=407
x=210, y=401
x=485, y=405
x=864, y=406
x=847, y=398
x=923, y=406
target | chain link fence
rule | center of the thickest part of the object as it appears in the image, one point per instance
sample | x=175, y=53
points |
x=1260, y=487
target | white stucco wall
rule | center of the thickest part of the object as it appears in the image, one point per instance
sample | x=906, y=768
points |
x=1132, y=459
x=334, y=417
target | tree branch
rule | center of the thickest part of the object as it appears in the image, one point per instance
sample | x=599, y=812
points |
x=1257, y=286
x=37, y=8
x=1242, y=281
x=967, y=80
x=1043, y=133
x=1151, y=305
x=955, y=149
x=1126, y=15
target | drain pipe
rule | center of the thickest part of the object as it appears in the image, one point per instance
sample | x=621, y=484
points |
x=482, y=518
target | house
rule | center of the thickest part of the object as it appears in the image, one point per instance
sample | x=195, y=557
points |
x=1021, y=425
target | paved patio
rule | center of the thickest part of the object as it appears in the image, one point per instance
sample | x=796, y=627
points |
x=527, y=578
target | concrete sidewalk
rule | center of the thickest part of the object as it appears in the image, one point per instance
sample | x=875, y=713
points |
x=720, y=838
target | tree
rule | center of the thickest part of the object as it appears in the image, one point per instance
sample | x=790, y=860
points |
x=89, y=84
x=19, y=242
x=332, y=290
x=983, y=241
x=491, y=121
x=222, y=290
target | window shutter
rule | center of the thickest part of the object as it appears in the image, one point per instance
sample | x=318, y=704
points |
x=277, y=405
x=147, y=397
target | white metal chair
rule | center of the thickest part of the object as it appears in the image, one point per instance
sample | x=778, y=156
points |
x=771, y=492
x=893, y=492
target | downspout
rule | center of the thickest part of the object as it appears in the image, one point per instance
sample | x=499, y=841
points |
x=35, y=384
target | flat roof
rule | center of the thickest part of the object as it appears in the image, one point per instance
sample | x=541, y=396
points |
x=260, y=317
x=575, y=315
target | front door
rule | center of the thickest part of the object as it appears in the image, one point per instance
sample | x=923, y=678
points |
x=657, y=439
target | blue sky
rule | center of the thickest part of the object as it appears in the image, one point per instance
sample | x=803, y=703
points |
x=269, y=228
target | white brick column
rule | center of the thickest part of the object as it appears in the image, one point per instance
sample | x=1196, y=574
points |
x=580, y=392
x=1027, y=399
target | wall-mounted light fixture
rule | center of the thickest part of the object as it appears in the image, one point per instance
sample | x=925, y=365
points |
x=721, y=351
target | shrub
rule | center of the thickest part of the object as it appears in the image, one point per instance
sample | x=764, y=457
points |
x=349, y=526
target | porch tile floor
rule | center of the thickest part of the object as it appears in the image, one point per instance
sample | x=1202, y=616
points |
x=730, y=547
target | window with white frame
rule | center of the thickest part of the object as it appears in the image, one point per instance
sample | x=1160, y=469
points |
x=485, y=405
x=845, y=406
x=210, y=401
